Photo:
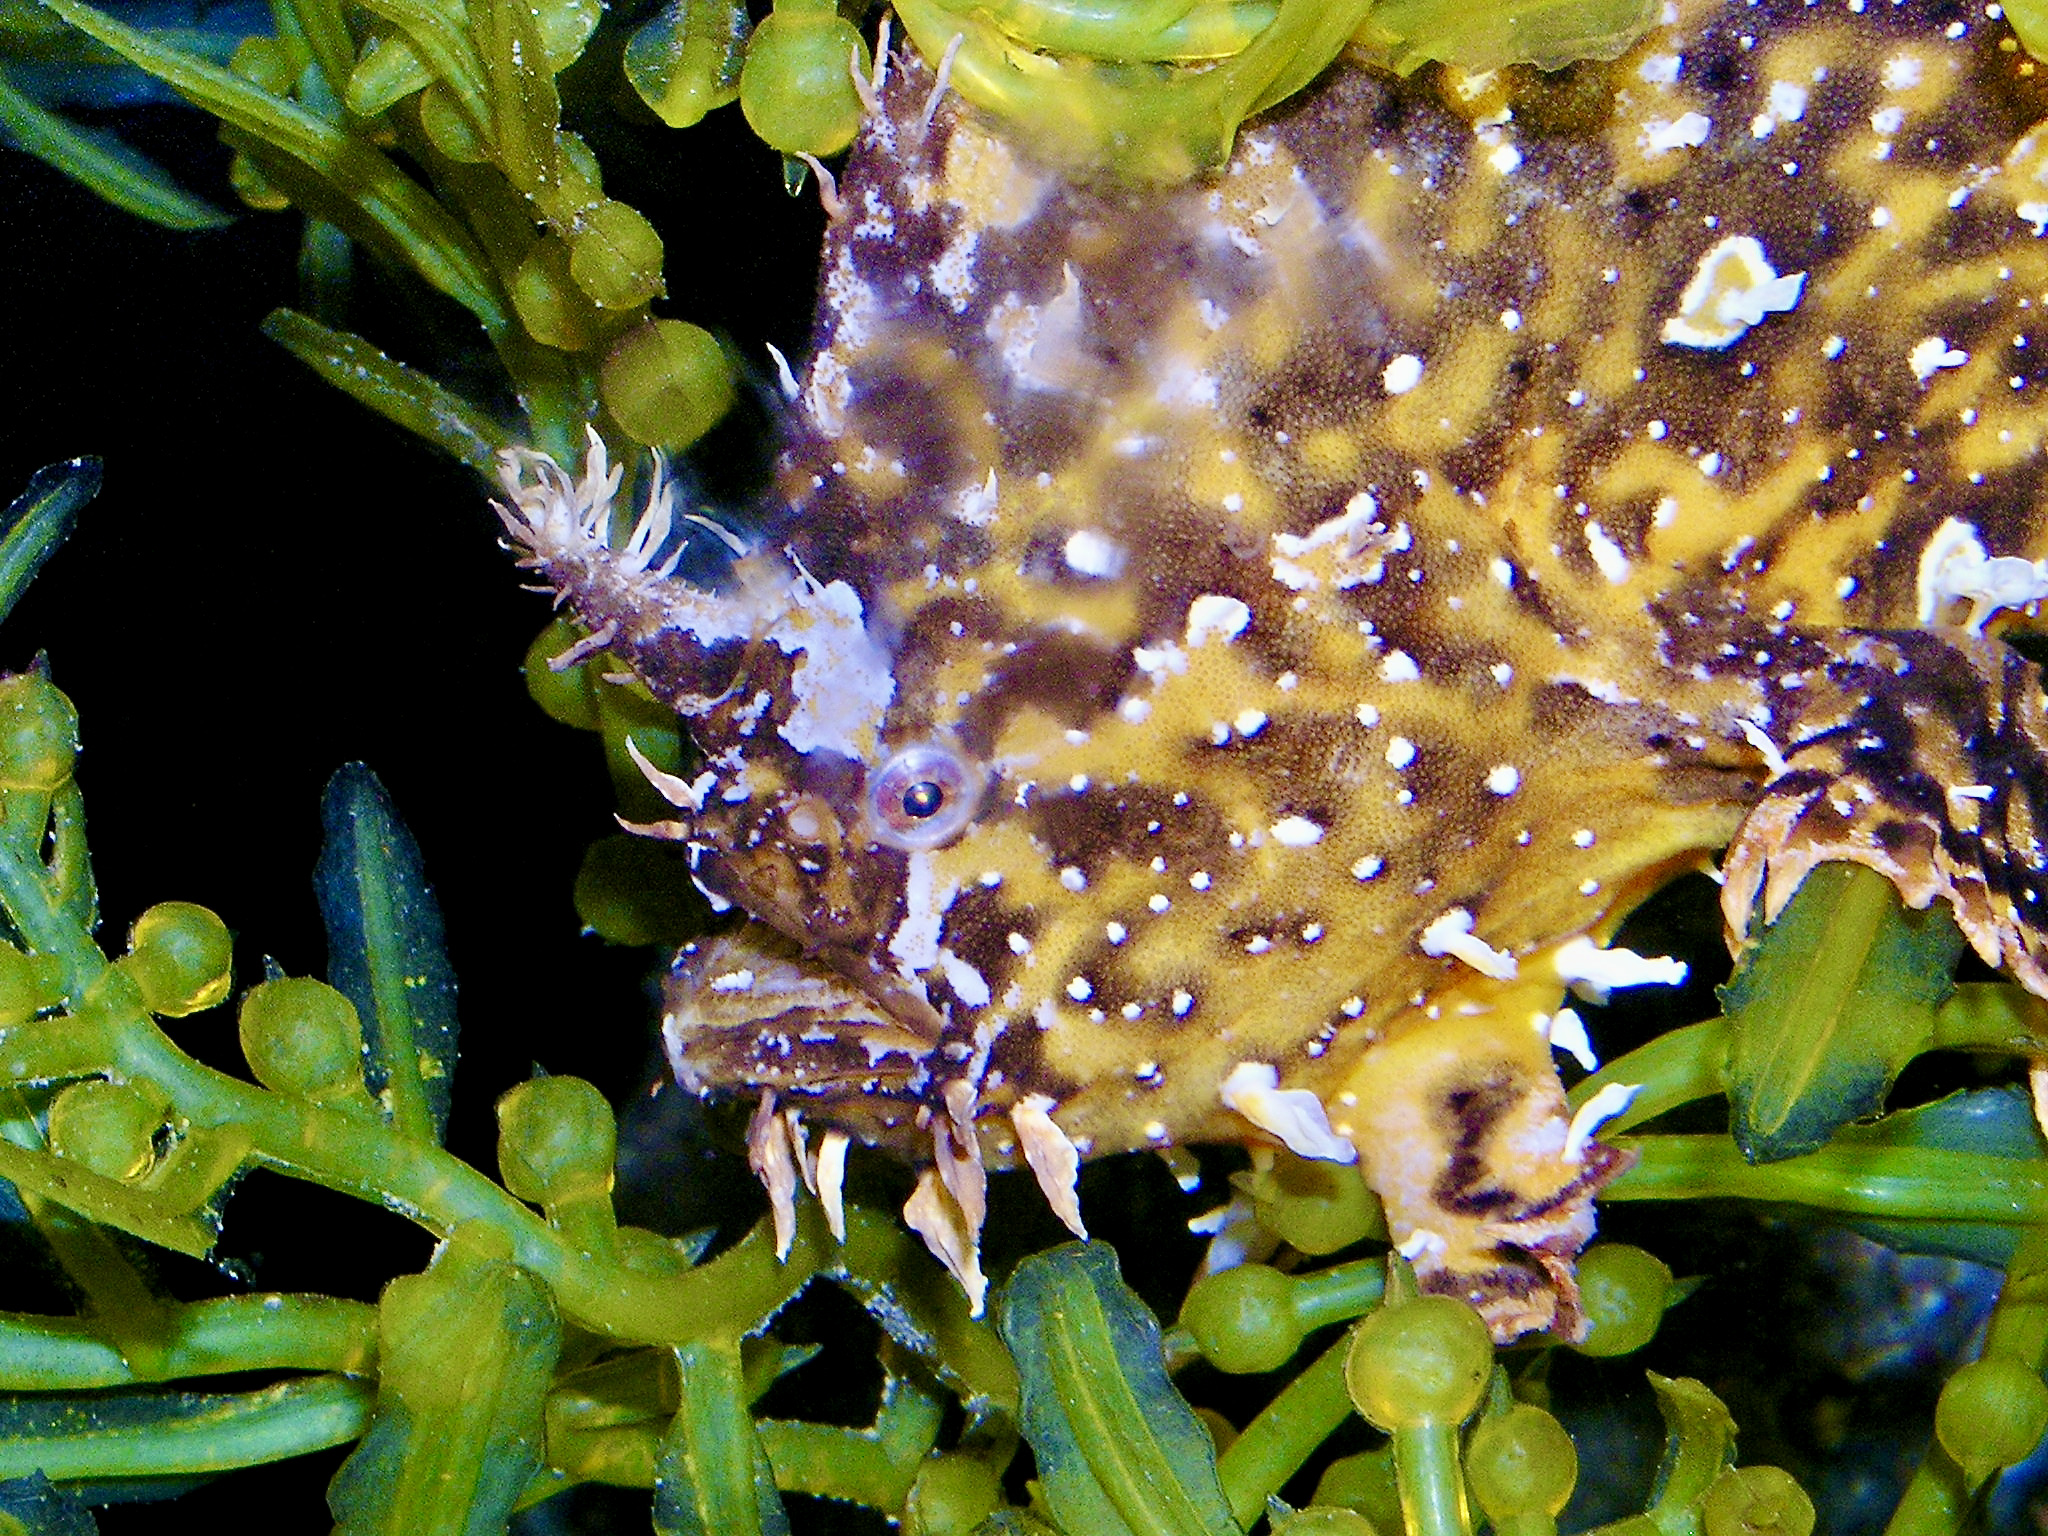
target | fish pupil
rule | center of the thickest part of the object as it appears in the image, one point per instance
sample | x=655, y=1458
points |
x=923, y=799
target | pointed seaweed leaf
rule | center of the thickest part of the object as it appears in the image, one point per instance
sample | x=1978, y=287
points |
x=38, y=1508
x=368, y=194
x=465, y=1353
x=1836, y=997
x=102, y=164
x=440, y=40
x=525, y=110
x=1699, y=1444
x=1120, y=1452
x=108, y=1201
x=385, y=951
x=685, y=60
x=99, y=1436
x=1992, y=1122
x=712, y=1475
x=40, y=519
x=391, y=389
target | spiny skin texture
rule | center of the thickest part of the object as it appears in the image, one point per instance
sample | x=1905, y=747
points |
x=1312, y=597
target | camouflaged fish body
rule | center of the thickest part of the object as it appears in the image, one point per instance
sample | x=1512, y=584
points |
x=1225, y=657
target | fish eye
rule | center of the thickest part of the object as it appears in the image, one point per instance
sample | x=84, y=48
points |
x=923, y=797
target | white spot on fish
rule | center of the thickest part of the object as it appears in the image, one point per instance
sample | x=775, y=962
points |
x=1296, y=832
x=1450, y=933
x=968, y=984
x=1931, y=354
x=1093, y=554
x=1607, y=555
x=1210, y=614
x=1294, y=1115
x=1733, y=288
x=1610, y=1101
x=1593, y=973
x=1688, y=132
x=916, y=940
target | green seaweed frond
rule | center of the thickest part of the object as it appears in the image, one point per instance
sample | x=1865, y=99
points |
x=1156, y=91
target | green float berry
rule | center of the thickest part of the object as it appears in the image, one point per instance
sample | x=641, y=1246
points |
x=28, y=984
x=564, y=27
x=633, y=891
x=450, y=128
x=1365, y=1482
x=953, y=1494
x=615, y=256
x=254, y=188
x=667, y=383
x=1222, y=1433
x=1243, y=1319
x=179, y=956
x=38, y=734
x=1623, y=1290
x=797, y=86
x=267, y=62
x=565, y=695
x=1756, y=1501
x=109, y=1127
x=627, y=712
x=1317, y=1207
x=1521, y=1463
x=302, y=1037
x=1991, y=1414
x=557, y=1140
x=553, y=309
x=1419, y=1363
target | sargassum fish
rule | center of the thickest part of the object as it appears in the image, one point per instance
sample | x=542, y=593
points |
x=1220, y=661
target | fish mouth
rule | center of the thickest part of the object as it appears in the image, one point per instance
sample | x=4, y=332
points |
x=753, y=1009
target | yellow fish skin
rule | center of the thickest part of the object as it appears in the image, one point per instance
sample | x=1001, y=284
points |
x=1222, y=659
